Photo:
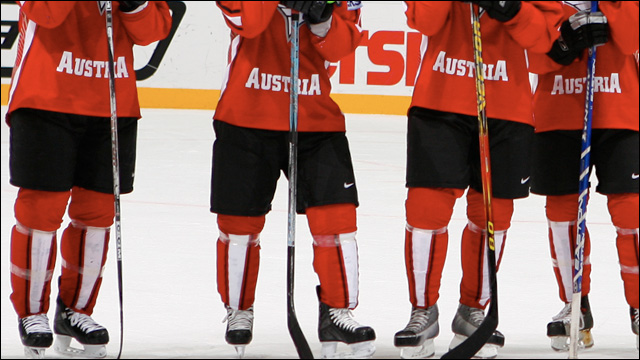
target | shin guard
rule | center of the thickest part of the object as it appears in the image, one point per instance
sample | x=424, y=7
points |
x=475, y=290
x=562, y=216
x=84, y=253
x=624, y=214
x=33, y=257
x=562, y=242
x=238, y=261
x=425, y=252
x=335, y=260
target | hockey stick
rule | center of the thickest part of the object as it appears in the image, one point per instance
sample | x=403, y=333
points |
x=115, y=161
x=583, y=190
x=478, y=339
x=304, y=352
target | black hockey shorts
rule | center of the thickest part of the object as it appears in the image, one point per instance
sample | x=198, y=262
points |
x=53, y=151
x=247, y=164
x=443, y=151
x=556, y=161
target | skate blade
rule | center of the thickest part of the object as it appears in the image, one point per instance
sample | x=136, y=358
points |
x=360, y=350
x=240, y=350
x=63, y=346
x=427, y=349
x=561, y=343
x=31, y=352
x=488, y=351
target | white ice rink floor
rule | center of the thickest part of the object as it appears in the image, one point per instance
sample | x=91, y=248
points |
x=172, y=308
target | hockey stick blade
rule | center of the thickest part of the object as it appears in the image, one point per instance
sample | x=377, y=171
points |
x=300, y=342
x=304, y=351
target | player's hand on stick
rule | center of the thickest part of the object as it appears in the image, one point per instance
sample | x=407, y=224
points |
x=584, y=30
x=581, y=31
x=129, y=6
x=315, y=12
x=500, y=10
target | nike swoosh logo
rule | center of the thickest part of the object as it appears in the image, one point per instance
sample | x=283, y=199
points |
x=634, y=176
x=346, y=186
x=524, y=181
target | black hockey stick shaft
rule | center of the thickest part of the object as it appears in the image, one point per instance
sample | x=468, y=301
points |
x=478, y=339
x=115, y=161
x=300, y=342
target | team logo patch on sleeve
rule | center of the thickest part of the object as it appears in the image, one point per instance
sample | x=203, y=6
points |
x=354, y=5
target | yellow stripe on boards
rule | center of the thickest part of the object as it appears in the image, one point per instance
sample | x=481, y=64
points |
x=199, y=99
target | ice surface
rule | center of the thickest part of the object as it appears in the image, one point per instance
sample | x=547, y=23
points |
x=172, y=308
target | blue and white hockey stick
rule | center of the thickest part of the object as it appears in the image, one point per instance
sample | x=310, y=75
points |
x=582, y=202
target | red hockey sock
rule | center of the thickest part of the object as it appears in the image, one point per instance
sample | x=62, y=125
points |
x=475, y=288
x=238, y=262
x=84, y=253
x=426, y=239
x=33, y=248
x=624, y=214
x=33, y=259
x=335, y=253
x=562, y=213
x=84, y=248
x=425, y=252
x=41, y=210
x=430, y=208
x=238, y=259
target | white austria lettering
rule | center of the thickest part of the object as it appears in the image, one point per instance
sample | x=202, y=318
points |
x=605, y=84
x=90, y=68
x=461, y=67
x=272, y=82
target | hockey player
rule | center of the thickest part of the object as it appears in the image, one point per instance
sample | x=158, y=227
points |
x=60, y=150
x=443, y=152
x=251, y=124
x=559, y=113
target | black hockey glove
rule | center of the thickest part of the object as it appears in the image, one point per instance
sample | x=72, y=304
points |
x=129, y=6
x=319, y=12
x=315, y=12
x=582, y=30
x=500, y=10
x=300, y=6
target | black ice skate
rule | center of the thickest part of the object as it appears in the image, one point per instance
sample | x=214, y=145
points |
x=35, y=334
x=416, y=339
x=239, y=328
x=559, y=329
x=337, y=325
x=634, y=323
x=465, y=323
x=70, y=324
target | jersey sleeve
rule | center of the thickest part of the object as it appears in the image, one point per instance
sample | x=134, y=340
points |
x=535, y=27
x=247, y=18
x=344, y=35
x=48, y=14
x=428, y=17
x=622, y=17
x=151, y=24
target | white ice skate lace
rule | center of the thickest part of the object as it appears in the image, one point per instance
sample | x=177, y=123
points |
x=239, y=319
x=343, y=318
x=476, y=316
x=634, y=317
x=83, y=321
x=419, y=320
x=565, y=315
x=36, y=324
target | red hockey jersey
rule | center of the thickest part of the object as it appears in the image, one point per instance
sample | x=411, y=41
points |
x=446, y=81
x=62, y=56
x=255, y=92
x=559, y=99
